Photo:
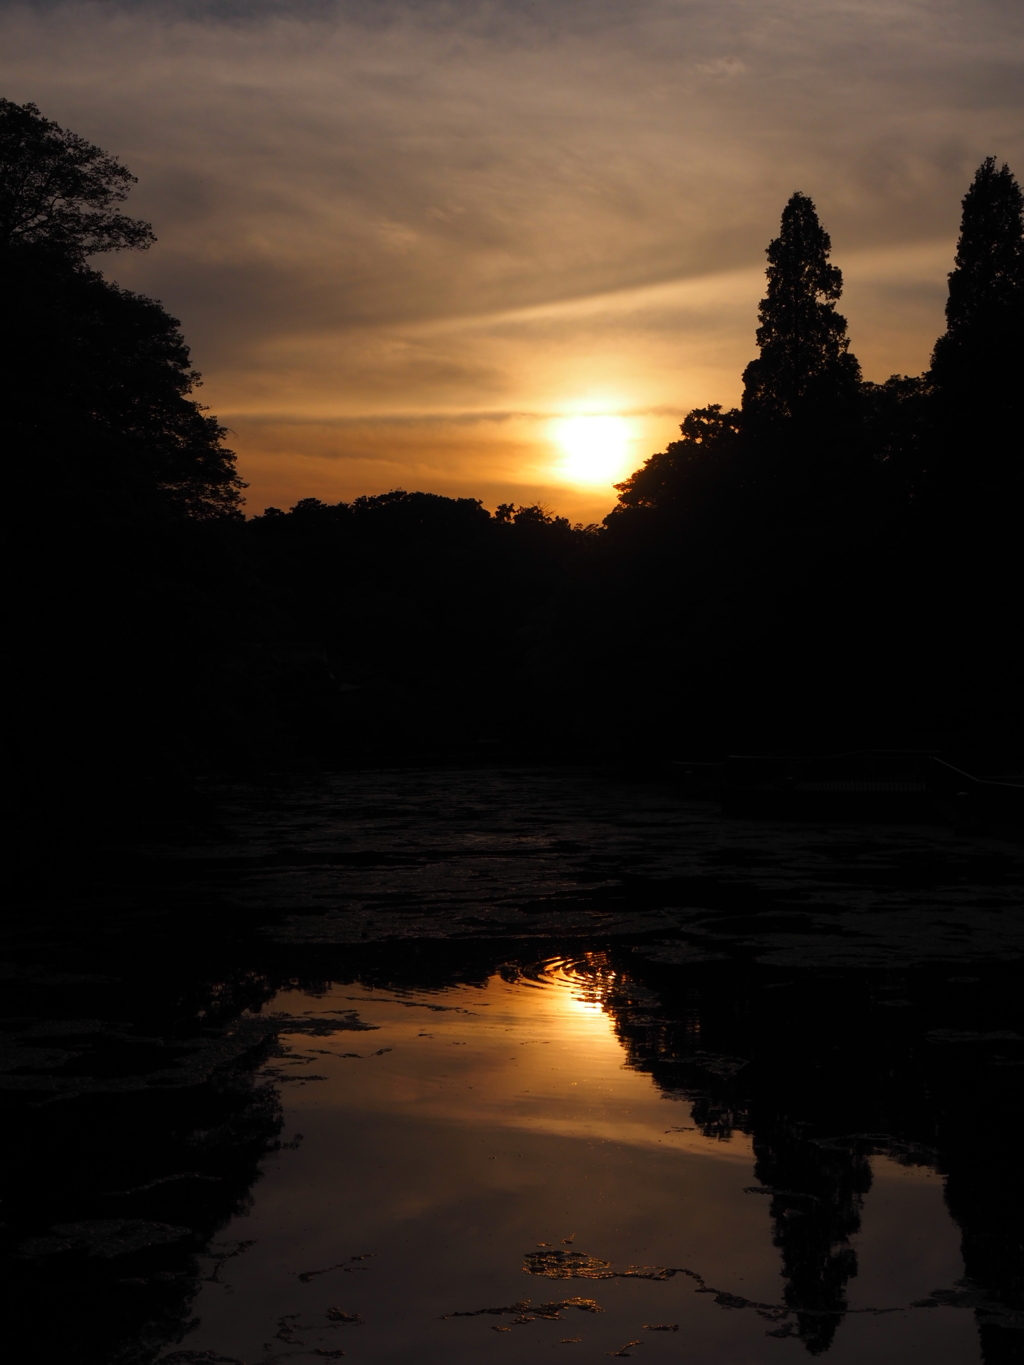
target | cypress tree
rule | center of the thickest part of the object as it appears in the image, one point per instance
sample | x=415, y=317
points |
x=802, y=390
x=978, y=363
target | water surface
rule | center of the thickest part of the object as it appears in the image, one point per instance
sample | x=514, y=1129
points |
x=492, y=1148
x=436, y=1065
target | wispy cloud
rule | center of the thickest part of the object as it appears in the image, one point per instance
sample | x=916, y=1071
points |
x=443, y=208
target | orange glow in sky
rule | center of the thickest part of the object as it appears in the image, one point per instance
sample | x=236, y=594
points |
x=402, y=244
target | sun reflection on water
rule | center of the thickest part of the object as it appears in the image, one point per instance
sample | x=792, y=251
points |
x=539, y=1051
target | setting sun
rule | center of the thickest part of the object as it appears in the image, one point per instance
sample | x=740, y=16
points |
x=596, y=448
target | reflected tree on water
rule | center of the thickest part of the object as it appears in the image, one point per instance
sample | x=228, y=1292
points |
x=818, y=1103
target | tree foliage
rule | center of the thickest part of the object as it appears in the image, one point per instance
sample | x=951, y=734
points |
x=58, y=190
x=805, y=379
x=982, y=349
x=850, y=545
x=896, y=425
x=978, y=363
x=100, y=400
x=689, y=471
x=96, y=382
x=118, y=584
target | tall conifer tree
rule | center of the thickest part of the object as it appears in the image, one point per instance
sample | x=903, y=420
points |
x=802, y=390
x=978, y=363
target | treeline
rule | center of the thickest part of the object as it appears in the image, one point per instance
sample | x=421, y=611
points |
x=833, y=562
x=841, y=560
x=413, y=625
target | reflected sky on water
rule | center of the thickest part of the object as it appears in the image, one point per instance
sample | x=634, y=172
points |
x=488, y=1145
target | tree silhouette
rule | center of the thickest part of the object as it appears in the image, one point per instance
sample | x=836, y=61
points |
x=985, y=309
x=689, y=473
x=111, y=463
x=803, y=386
x=426, y=609
x=59, y=191
x=977, y=363
x=896, y=416
x=98, y=405
x=96, y=381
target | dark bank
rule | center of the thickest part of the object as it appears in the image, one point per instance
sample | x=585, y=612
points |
x=331, y=825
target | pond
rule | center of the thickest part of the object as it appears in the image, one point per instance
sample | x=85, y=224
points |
x=487, y=1174
x=235, y=1136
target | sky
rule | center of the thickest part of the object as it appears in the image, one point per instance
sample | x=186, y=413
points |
x=499, y=248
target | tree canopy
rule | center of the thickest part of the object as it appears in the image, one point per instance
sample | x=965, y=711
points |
x=58, y=190
x=806, y=375
x=97, y=381
x=978, y=363
x=691, y=472
x=984, y=339
x=99, y=404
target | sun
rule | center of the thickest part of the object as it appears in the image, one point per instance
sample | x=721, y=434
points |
x=595, y=448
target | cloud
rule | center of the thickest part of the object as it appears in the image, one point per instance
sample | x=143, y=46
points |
x=449, y=208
